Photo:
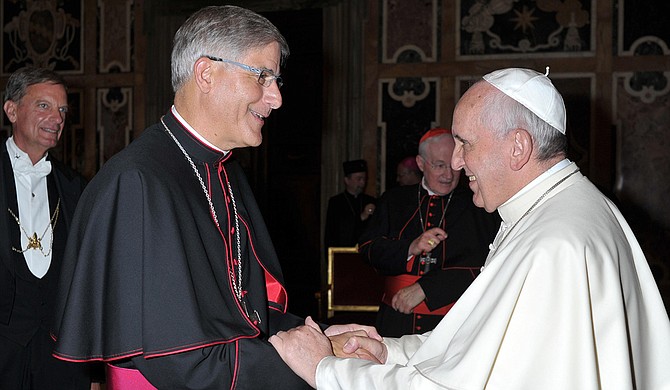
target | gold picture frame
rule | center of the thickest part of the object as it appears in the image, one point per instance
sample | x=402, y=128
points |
x=352, y=284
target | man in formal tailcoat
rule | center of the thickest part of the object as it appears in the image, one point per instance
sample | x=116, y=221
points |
x=38, y=197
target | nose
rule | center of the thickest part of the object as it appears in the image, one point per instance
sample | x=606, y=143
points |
x=273, y=96
x=57, y=115
x=457, y=162
x=449, y=173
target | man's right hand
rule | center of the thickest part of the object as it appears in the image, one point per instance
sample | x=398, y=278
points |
x=427, y=241
x=338, y=342
x=362, y=346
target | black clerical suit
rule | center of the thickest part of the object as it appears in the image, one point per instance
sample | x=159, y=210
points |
x=403, y=214
x=162, y=299
x=26, y=301
x=343, y=219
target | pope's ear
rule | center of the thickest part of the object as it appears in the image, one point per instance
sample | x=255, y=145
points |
x=202, y=74
x=522, y=148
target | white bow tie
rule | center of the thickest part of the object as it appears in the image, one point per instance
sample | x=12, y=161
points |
x=23, y=166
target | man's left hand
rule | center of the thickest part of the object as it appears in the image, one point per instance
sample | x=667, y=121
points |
x=302, y=348
x=408, y=298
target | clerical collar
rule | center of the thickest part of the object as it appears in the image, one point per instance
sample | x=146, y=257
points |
x=194, y=132
x=557, y=167
x=425, y=187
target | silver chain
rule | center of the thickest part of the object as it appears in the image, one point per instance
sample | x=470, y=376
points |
x=237, y=284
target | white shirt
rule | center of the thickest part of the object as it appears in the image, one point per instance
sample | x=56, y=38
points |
x=33, y=200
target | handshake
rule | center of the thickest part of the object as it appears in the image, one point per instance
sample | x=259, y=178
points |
x=303, y=347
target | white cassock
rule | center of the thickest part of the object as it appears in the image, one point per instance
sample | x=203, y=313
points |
x=566, y=300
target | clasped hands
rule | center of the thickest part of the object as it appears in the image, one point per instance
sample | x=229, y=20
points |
x=303, y=347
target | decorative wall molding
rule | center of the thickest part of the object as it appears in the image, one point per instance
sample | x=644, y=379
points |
x=643, y=170
x=647, y=86
x=639, y=30
x=525, y=28
x=43, y=33
x=410, y=31
x=115, y=44
x=407, y=108
x=114, y=121
x=643, y=136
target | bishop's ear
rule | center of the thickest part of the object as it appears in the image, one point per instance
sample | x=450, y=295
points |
x=522, y=149
x=202, y=74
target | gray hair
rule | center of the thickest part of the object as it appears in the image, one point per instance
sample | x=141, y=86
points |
x=21, y=79
x=423, y=146
x=503, y=114
x=222, y=31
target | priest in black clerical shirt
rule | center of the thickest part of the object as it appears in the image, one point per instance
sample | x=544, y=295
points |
x=349, y=211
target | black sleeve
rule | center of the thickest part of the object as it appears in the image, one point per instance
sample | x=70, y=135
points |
x=258, y=367
x=388, y=255
x=434, y=285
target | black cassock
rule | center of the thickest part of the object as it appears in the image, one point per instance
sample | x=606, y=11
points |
x=397, y=221
x=343, y=219
x=146, y=278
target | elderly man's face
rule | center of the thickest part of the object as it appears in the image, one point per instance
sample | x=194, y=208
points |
x=241, y=103
x=436, y=166
x=479, y=152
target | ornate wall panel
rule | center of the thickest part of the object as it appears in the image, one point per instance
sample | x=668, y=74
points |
x=44, y=33
x=95, y=46
x=643, y=166
x=639, y=30
x=409, y=31
x=115, y=121
x=513, y=28
x=643, y=141
x=641, y=114
x=408, y=107
x=116, y=36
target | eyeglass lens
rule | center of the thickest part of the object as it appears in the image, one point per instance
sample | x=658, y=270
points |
x=265, y=79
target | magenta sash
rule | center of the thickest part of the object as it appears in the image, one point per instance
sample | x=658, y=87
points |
x=119, y=378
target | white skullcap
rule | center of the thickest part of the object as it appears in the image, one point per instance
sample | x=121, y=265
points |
x=534, y=90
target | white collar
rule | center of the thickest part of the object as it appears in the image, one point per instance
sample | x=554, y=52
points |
x=194, y=132
x=557, y=167
x=23, y=165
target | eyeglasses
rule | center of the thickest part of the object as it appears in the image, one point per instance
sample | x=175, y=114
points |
x=439, y=167
x=265, y=77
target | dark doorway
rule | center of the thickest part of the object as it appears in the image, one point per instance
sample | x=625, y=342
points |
x=286, y=170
